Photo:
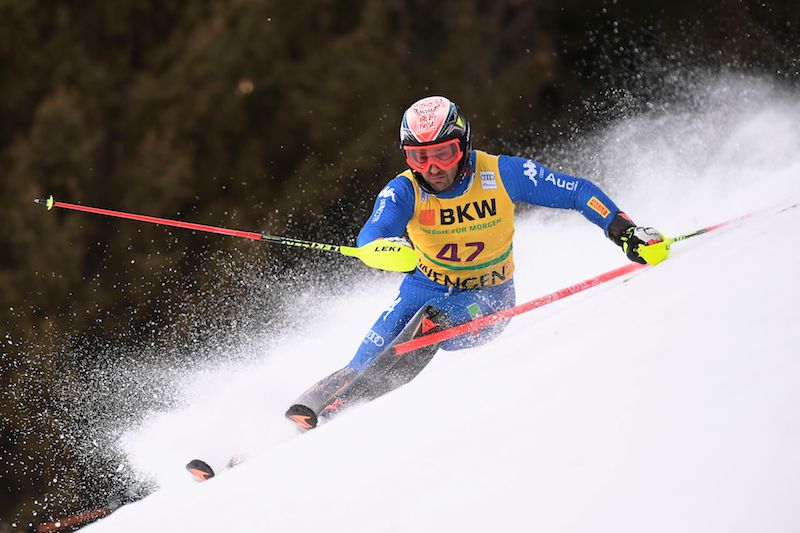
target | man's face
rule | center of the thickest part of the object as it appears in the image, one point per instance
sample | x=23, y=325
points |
x=439, y=179
x=438, y=163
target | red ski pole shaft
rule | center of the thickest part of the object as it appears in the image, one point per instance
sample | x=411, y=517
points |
x=50, y=203
x=252, y=235
x=380, y=254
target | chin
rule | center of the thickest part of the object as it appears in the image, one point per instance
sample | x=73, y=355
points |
x=440, y=184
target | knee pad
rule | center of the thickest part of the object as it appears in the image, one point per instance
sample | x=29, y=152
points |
x=428, y=319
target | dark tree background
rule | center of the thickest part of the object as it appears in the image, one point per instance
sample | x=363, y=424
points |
x=270, y=115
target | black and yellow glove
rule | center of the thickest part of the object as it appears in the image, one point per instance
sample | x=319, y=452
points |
x=634, y=239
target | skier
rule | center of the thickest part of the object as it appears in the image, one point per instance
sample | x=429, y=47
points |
x=456, y=205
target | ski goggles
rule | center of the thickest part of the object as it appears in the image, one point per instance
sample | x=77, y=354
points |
x=444, y=155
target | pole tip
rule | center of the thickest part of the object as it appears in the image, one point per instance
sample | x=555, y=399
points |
x=49, y=202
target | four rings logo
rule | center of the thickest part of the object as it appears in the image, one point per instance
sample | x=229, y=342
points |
x=376, y=339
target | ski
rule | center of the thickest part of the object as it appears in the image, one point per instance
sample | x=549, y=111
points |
x=202, y=471
x=303, y=416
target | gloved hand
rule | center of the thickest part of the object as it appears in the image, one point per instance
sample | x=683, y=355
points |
x=630, y=237
x=639, y=236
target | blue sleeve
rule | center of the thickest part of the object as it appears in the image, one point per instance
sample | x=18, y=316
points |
x=393, y=208
x=533, y=183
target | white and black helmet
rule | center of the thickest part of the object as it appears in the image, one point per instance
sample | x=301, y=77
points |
x=434, y=120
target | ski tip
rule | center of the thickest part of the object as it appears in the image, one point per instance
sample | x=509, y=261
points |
x=48, y=202
x=200, y=470
x=303, y=416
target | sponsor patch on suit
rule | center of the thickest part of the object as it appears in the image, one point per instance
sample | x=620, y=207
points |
x=598, y=207
x=488, y=181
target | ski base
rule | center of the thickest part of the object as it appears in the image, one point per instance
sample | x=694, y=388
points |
x=303, y=416
x=200, y=470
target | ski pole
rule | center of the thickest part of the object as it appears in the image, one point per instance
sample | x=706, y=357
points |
x=654, y=253
x=483, y=322
x=381, y=254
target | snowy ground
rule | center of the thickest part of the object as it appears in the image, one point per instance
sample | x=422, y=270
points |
x=665, y=402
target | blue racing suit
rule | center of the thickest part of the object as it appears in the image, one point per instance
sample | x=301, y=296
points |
x=525, y=181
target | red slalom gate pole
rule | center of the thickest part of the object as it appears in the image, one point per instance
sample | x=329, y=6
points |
x=483, y=322
x=72, y=521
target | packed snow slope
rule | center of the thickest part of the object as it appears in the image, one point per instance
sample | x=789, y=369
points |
x=664, y=402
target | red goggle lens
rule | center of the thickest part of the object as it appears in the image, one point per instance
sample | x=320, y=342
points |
x=444, y=155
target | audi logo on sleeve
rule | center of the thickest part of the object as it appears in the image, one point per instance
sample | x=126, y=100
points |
x=375, y=339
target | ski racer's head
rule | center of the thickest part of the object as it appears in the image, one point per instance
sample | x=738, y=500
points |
x=434, y=138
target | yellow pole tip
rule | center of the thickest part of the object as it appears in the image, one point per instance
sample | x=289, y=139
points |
x=49, y=202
